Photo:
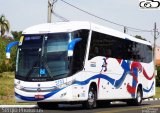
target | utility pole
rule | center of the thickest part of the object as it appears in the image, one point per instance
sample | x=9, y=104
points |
x=50, y=5
x=125, y=29
x=154, y=46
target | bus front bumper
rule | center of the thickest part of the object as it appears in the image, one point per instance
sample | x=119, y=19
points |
x=58, y=95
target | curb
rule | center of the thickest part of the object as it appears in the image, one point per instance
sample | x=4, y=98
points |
x=151, y=99
x=18, y=106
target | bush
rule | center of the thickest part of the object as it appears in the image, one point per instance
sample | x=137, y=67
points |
x=158, y=77
x=12, y=62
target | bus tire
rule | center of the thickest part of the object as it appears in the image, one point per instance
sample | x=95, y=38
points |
x=47, y=105
x=92, y=98
x=138, y=99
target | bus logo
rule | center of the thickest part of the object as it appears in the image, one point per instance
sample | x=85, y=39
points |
x=104, y=66
x=42, y=71
x=149, y=4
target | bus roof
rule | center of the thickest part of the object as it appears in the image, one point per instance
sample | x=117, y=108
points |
x=70, y=26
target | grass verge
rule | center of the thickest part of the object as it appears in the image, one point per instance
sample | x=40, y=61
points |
x=157, y=92
x=7, y=89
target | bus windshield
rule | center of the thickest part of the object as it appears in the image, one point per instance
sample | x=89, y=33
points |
x=43, y=57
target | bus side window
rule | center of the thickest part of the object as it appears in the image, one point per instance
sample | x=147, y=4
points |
x=108, y=53
x=115, y=47
x=94, y=52
x=79, y=50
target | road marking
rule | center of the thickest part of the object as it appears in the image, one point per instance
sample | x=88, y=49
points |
x=146, y=100
x=156, y=99
x=129, y=109
x=151, y=99
x=18, y=106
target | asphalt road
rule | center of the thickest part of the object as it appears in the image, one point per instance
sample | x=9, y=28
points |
x=146, y=107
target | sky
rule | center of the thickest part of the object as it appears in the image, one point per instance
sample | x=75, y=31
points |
x=25, y=13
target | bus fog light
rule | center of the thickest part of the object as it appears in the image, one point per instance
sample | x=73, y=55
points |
x=18, y=86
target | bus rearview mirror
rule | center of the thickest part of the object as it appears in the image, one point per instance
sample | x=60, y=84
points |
x=71, y=46
x=8, y=48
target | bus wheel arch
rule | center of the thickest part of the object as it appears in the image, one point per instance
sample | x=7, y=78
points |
x=94, y=85
x=138, y=96
x=140, y=87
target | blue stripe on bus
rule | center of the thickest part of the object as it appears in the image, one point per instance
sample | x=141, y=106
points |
x=148, y=90
x=119, y=82
x=37, y=99
x=95, y=77
x=126, y=67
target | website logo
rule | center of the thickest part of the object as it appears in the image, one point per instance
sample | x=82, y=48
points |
x=149, y=4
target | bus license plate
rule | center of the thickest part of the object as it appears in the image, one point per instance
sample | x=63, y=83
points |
x=39, y=96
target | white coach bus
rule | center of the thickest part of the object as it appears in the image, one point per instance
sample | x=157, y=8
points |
x=77, y=61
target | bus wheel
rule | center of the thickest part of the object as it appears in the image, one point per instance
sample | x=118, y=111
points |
x=92, y=97
x=47, y=105
x=138, y=99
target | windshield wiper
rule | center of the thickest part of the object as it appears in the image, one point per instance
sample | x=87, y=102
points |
x=29, y=73
x=48, y=70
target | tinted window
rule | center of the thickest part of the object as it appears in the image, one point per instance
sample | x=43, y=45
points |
x=79, y=50
x=110, y=46
x=57, y=45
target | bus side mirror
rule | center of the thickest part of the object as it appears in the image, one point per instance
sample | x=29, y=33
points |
x=71, y=46
x=8, y=48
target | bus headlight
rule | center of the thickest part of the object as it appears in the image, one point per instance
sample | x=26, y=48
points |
x=17, y=86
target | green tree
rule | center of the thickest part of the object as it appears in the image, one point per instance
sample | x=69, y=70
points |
x=16, y=35
x=4, y=66
x=4, y=25
x=140, y=37
x=158, y=77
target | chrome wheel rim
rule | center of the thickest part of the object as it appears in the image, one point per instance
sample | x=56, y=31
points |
x=139, y=97
x=91, y=97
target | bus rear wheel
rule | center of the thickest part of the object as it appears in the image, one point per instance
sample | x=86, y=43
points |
x=138, y=100
x=47, y=105
x=92, y=98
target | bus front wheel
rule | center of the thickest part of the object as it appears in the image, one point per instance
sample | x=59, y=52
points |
x=92, y=98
